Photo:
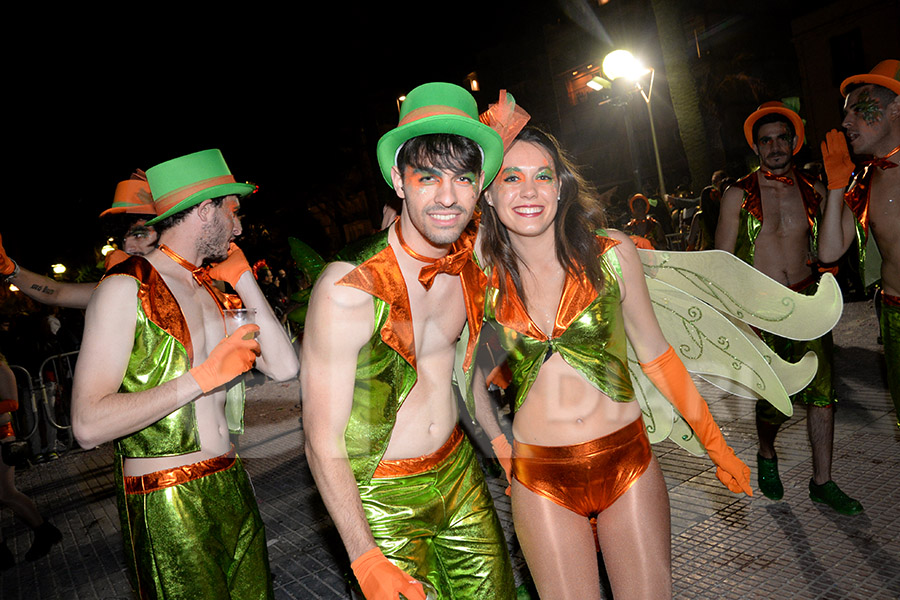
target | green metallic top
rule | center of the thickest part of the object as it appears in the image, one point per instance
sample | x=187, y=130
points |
x=857, y=199
x=751, y=218
x=589, y=332
x=386, y=365
x=162, y=351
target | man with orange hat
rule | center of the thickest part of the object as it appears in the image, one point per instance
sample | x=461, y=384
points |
x=872, y=200
x=159, y=374
x=768, y=219
x=132, y=206
x=383, y=441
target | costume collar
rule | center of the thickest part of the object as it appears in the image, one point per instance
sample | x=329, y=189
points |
x=883, y=162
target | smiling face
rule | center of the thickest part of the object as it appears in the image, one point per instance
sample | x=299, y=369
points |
x=775, y=146
x=437, y=204
x=526, y=192
x=867, y=120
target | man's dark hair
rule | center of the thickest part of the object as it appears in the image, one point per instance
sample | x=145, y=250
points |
x=178, y=217
x=883, y=94
x=772, y=118
x=444, y=151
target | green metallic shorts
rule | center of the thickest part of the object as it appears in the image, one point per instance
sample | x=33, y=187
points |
x=820, y=391
x=196, y=533
x=437, y=522
x=890, y=337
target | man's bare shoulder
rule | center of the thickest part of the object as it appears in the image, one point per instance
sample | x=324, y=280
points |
x=328, y=291
x=733, y=195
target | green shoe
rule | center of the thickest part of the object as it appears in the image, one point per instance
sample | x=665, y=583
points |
x=829, y=493
x=767, y=477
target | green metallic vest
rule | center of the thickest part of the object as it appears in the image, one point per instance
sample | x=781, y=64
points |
x=162, y=351
x=751, y=219
x=589, y=332
x=857, y=199
x=385, y=367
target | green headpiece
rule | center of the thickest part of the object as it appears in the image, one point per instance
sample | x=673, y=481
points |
x=440, y=108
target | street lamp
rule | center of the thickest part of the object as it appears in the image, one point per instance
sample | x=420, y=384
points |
x=623, y=73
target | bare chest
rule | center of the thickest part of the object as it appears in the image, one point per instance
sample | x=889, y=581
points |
x=784, y=214
x=202, y=315
x=884, y=211
x=438, y=314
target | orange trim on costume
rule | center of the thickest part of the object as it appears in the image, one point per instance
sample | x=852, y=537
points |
x=169, y=200
x=158, y=480
x=430, y=111
x=6, y=430
x=11, y=405
x=889, y=300
x=420, y=464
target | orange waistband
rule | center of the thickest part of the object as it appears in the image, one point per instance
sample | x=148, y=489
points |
x=419, y=464
x=890, y=300
x=6, y=430
x=613, y=440
x=158, y=480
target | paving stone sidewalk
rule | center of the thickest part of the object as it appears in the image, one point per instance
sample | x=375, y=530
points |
x=723, y=546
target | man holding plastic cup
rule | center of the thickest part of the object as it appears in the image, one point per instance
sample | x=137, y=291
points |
x=158, y=376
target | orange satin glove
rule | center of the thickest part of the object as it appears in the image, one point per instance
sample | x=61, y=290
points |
x=231, y=268
x=836, y=157
x=7, y=266
x=113, y=258
x=380, y=579
x=668, y=374
x=231, y=357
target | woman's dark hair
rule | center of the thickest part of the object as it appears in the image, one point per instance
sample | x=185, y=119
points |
x=578, y=215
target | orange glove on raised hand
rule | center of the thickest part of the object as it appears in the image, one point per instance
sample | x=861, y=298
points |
x=7, y=266
x=231, y=268
x=668, y=374
x=231, y=357
x=380, y=579
x=836, y=156
x=504, y=454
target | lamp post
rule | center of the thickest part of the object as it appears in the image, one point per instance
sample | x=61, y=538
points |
x=623, y=73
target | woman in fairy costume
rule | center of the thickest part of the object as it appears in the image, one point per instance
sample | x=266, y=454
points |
x=563, y=301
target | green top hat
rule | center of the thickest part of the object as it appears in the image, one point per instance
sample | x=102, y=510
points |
x=184, y=182
x=440, y=108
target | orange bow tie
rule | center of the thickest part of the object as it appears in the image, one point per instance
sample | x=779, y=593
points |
x=452, y=263
x=200, y=274
x=883, y=162
x=782, y=178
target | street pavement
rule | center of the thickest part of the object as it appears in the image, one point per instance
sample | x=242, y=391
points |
x=724, y=546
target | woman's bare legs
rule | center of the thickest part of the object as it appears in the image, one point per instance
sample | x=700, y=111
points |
x=12, y=498
x=634, y=534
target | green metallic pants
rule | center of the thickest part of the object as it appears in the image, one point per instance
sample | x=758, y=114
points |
x=439, y=525
x=198, y=539
x=890, y=337
x=820, y=391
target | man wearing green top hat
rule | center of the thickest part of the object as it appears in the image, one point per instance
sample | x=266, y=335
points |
x=383, y=441
x=769, y=219
x=158, y=376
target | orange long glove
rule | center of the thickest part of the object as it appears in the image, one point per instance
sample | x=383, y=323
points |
x=668, y=374
x=231, y=357
x=7, y=266
x=231, y=268
x=380, y=579
x=836, y=157
x=504, y=454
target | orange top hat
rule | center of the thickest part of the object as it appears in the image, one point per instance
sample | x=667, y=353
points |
x=886, y=74
x=132, y=196
x=780, y=108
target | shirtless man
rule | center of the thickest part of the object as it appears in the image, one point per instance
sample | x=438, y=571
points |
x=126, y=219
x=779, y=245
x=872, y=123
x=155, y=375
x=383, y=442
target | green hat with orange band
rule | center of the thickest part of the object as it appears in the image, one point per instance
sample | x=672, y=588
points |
x=440, y=108
x=184, y=182
x=780, y=108
x=132, y=196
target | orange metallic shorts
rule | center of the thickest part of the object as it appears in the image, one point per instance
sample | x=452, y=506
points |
x=585, y=478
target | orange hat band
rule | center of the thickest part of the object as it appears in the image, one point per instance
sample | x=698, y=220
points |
x=175, y=196
x=431, y=111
